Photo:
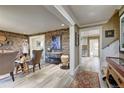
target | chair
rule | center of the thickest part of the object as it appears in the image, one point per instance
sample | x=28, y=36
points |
x=7, y=63
x=36, y=59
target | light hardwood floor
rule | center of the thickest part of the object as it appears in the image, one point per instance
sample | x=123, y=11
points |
x=50, y=76
x=92, y=64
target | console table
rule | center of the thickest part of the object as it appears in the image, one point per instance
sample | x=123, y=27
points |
x=115, y=72
x=53, y=57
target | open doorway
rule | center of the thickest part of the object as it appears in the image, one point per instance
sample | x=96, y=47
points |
x=38, y=43
x=90, y=47
x=93, y=47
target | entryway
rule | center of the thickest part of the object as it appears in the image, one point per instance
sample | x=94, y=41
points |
x=93, y=47
x=89, y=43
x=90, y=54
x=37, y=43
x=89, y=48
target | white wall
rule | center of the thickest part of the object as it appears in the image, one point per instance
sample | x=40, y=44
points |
x=110, y=51
x=83, y=40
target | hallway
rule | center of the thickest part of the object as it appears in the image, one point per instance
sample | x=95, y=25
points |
x=92, y=64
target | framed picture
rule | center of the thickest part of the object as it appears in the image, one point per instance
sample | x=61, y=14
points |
x=38, y=43
x=109, y=33
x=76, y=39
x=56, y=42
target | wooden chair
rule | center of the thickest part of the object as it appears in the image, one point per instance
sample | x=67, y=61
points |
x=7, y=63
x=36, y=59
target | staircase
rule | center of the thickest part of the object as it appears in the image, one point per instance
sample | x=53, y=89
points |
x=111, y=50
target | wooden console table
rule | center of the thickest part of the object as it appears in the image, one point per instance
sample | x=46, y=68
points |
x=116, y=71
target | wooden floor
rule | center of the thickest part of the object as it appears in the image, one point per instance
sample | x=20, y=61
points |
x=50, y=76
x=92, y=64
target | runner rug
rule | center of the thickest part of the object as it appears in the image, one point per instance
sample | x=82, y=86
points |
x=85, y=79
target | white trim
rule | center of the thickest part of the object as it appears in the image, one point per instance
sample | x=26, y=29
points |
x=93, y=24
x=72, y=49
x=76, y=69
x=90, y=28
x=65, y=14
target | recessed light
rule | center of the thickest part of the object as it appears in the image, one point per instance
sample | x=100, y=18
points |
x=62, y=24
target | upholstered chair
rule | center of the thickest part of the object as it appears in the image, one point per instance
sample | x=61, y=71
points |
x=37, y=54
x=7, y=63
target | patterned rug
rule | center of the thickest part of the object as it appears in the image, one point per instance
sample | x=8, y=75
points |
x=85, y=79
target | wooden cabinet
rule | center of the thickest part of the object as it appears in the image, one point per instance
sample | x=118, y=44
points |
x=116, y=71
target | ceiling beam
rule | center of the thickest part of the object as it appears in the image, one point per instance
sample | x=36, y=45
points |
x=65, y=14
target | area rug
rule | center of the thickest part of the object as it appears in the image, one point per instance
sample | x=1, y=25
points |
x=85, y=79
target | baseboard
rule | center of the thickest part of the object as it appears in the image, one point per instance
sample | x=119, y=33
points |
x=76, y=69
x=72, y=73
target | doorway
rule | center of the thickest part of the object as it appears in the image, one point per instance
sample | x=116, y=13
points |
x=38, y=43
x=90, y=44
x=93, y=47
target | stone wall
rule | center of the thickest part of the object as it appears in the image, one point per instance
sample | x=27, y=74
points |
x=64, y=33
x=15, y=39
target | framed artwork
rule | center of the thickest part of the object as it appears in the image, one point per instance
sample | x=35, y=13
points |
x=109, y=33
x=56, y=42
x=38, y=43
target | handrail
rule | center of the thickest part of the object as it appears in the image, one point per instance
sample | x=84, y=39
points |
x=110, y=43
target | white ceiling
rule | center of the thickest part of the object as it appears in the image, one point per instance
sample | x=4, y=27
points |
x=28, y=19
x=90, y=14
x=34, y=19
